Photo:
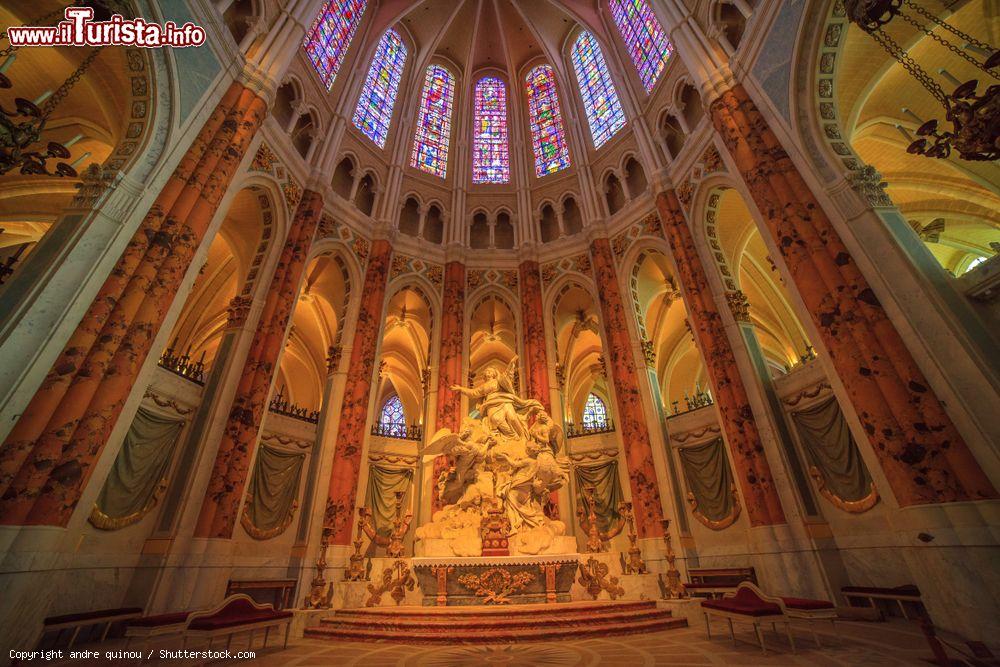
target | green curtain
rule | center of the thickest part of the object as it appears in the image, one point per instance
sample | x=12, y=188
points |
x=607, y=491
x=272, y=492
x=709, y=478
x=830, y=447
x=383, y=482
x=130, y=490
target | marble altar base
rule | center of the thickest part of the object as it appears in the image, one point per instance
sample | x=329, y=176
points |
x=471, y=581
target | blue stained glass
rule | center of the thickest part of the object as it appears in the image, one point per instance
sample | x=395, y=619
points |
x=600, y=98
x=433, y=134
x=595, y=414
x=548, y=136
x=644, y=37
x=391, y=420
x=331, y=33
x=374, y=111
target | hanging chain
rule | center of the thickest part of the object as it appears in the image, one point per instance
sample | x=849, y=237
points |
x=63, y=90
x=961, y=53
x=947, y=26
x=38, y=21
x=910, y=65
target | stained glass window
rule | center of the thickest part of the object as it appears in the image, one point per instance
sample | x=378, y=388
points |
x=392, y=421
x=430, y=143
x=327, y=41
x=600, y=99
x=644, y=37
x=374, y=110
x=595, y=414
x=548, y=136
x=490, y=154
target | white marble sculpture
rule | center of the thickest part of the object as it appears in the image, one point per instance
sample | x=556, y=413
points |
x=510, y=456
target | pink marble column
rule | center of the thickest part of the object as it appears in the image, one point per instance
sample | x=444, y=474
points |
x=449, y=405
x=921, y=452
x=750, y=465
x=49, y=455
x=221, y=507
x=536, y=363
x=632, y=424
x=338, y=517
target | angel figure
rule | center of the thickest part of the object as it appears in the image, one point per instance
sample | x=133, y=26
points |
x=501, y=408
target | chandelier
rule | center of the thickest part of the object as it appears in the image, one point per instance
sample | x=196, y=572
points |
x=21, y=128
x=974, y=118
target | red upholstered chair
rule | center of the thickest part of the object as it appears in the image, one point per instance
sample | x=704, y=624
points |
x=746, y=605
x=237, y=613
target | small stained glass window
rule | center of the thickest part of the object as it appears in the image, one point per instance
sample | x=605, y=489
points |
x=392, y=421
x=595, y=414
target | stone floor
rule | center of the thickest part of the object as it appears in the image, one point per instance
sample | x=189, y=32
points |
x=891, y=643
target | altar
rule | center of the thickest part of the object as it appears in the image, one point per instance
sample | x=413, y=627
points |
x=487, y=580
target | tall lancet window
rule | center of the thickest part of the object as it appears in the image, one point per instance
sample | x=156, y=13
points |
x=374, y=111
x=600, y=98
x=430, y=142
x=490, y=153
x=330, y=36
x=644, y=37
x=548, y=136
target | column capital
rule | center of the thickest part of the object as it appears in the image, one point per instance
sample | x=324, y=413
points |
x=739, y=305
x=660, y=181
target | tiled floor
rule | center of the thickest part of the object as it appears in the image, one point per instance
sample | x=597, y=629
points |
x=894, y=643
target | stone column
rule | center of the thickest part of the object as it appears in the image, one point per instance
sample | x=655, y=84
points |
x=449, y=403
x=221, y=506
x=338, y=518
x=923, y=455
x=632, y=422
x=48, y=457
x=536, y=364
x=736, y=416
x=536, y=359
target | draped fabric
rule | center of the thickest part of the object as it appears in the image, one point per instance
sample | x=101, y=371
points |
x=830, y=447
x=709, y=478
x=132, y=487
x=273, y=490
x=607, y=491
x=383, y=483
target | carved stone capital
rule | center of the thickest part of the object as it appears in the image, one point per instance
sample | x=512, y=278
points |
x=739, y=305
x=237, y=311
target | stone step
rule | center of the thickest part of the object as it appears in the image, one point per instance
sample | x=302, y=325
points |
x=507, y=611
x=488, y=622
x=540, y=631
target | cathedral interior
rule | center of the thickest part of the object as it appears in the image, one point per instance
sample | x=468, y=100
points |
x=528, y=332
